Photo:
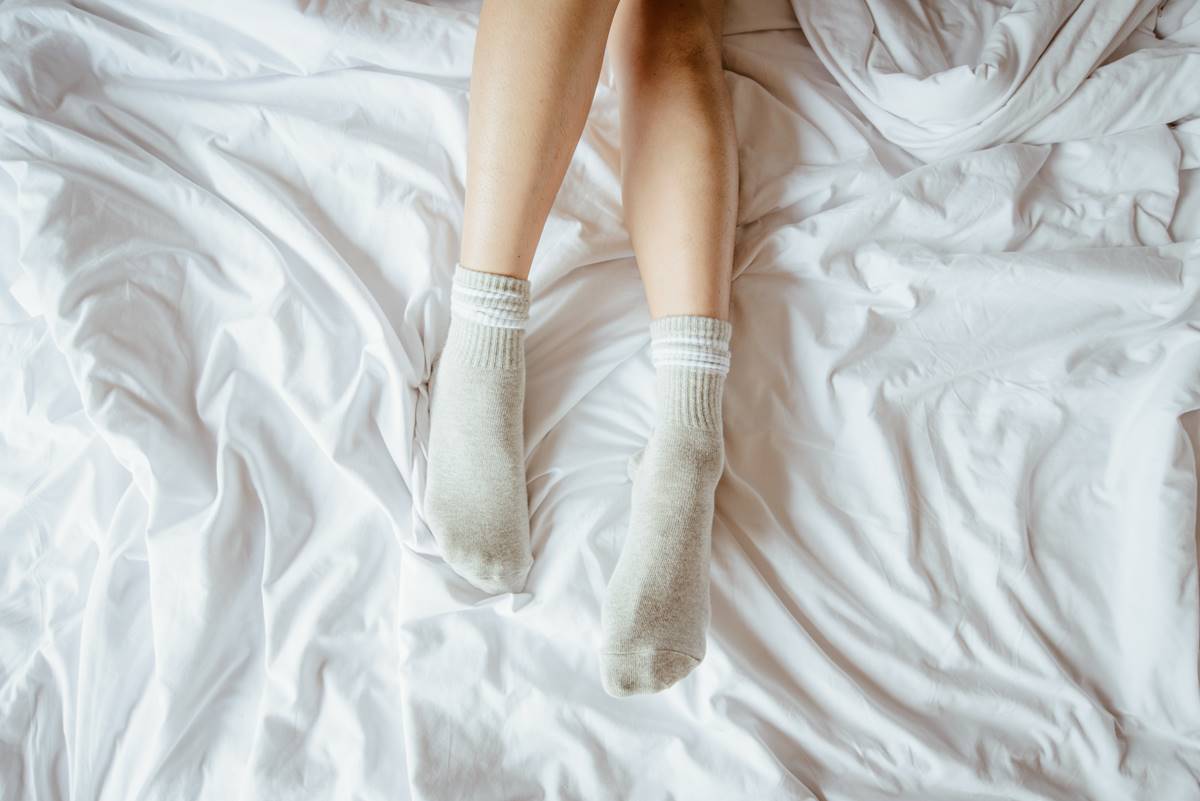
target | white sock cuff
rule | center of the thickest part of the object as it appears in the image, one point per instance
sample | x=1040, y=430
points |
x=691, y=341
x=691, y=358
x=487, y=319
x=500, y=301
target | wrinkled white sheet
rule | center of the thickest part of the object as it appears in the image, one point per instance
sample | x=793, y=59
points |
x=943, y=77
x=955, y=546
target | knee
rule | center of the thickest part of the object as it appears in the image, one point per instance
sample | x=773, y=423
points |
x=653, y=40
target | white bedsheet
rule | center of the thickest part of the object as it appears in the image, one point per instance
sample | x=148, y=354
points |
x=941, y=77
x=955, y=546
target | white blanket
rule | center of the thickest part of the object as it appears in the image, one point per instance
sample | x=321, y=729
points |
x=955, y=546
x=944, y=77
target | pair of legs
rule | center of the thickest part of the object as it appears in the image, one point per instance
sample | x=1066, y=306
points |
x=535, y=73
x=536, y=69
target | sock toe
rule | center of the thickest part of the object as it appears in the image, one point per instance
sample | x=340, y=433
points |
x=493, y=580
x=637, y=673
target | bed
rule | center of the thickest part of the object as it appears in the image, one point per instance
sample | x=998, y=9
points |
x=954, y=554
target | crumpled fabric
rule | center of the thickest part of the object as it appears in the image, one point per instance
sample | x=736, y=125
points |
x=945, y=78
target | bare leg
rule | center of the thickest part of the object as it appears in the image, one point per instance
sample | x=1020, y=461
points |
x=535, y=73
x=679, y=184
x=679, y=171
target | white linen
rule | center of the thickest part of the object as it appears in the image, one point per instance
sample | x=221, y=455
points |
x=955, y=545
x=945, y=77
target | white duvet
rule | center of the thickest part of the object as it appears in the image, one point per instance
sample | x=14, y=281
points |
x=955, y=545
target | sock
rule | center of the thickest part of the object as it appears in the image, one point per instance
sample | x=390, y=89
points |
x=656, y=611
x=476, y=502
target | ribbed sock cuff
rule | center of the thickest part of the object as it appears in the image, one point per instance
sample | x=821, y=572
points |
x=488, y=313
x=691, y=359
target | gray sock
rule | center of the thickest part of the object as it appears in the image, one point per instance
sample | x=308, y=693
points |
x=476, y=502
x=656, y=611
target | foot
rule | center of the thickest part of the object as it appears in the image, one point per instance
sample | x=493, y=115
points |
x=476, y=503
x=656, y=611
x=655, y=615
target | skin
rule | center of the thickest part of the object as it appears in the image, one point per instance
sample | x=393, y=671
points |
x=535, y=73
